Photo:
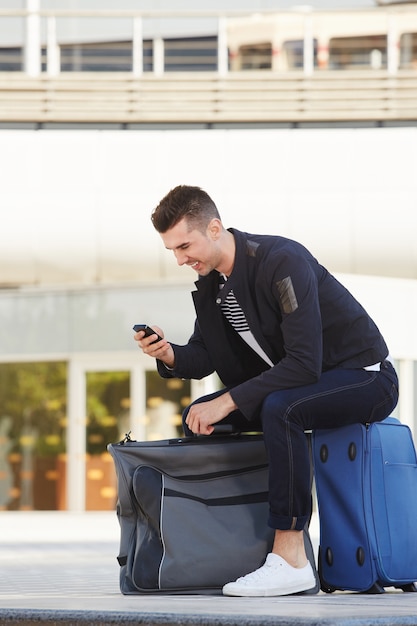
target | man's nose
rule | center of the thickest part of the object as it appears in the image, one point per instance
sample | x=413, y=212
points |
x=180, y=256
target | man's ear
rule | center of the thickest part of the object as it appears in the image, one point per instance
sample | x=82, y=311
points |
x=214, y=228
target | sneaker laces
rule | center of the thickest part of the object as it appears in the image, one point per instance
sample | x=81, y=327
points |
x=260, y=573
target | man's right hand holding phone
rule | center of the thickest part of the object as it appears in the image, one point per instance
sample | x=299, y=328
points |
x=151, y=341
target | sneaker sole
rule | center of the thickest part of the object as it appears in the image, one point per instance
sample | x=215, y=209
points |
x=232, y=589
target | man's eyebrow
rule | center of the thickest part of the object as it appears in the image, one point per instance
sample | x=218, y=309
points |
x=181, y=245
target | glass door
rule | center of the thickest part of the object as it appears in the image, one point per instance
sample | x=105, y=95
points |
x=108, y=418
x=33, y=427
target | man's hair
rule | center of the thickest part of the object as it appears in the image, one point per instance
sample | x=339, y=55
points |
x=191, y=203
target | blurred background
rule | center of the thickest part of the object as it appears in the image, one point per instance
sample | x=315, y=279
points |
x=299, y=120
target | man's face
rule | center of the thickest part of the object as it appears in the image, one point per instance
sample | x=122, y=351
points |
x=198, y=250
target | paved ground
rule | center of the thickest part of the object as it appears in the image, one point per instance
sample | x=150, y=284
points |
x=60, y=568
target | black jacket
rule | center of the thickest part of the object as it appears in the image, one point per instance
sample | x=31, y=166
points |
x=302, y=317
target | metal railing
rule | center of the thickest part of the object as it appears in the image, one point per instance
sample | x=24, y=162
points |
x=35, y=17
x=40, y=28
x=208, y=98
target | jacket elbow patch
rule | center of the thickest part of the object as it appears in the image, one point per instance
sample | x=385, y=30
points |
x=287, y=297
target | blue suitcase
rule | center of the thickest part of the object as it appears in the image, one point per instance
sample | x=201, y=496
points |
x=366, y=482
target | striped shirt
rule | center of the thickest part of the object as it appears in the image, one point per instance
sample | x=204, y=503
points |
x=236, y=317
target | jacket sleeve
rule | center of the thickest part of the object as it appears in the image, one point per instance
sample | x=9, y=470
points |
x=191, y=360
x=294, y=288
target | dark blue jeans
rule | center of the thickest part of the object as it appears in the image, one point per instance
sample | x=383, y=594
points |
x=339, y=398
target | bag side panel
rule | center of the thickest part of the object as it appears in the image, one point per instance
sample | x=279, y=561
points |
x=225, y=524
x=126, y=516
x=394, y=502
x=345, y=560
x=148, y=554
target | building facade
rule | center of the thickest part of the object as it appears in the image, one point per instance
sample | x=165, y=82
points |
x=80, y=262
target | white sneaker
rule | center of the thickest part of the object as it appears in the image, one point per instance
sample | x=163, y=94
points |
x=275, y=578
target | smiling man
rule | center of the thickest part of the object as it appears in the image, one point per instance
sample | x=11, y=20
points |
x=294, y=350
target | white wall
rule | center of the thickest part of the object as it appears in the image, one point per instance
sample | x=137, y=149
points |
x=75, y=212
x=75, y=205
x=392, y=303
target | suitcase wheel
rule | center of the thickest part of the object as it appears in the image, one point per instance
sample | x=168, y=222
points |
x=410, y=588
x=326, y=588
x=376, y=588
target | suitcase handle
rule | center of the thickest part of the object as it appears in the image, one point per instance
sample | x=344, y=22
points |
x=223, y=429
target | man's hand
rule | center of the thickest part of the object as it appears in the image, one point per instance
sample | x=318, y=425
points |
x=161, y=350
x=203, y=415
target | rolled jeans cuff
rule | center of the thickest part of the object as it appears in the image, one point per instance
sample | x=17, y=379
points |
x=279, y=522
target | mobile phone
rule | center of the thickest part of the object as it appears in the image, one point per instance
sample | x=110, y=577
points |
x=148, y=331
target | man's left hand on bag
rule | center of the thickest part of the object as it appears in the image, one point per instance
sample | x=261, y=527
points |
x=203, y=415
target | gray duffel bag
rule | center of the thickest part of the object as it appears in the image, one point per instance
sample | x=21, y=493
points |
x=192, y=512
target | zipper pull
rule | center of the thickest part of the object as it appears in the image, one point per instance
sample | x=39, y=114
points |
x=127, y=438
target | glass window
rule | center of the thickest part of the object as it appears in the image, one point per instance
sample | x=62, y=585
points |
x=408, y=51
x=147, y=55
x=356, y=52
x=32, y=435
x=166, y=398
x=256, y=57
x=198, y=54
x=98, y=57
x=294, y=52
x=11, y=59
x=185, y=54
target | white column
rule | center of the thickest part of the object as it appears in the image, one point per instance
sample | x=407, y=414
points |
x=32, y=49
x=393, y=53
x=308, y=45
x=406, y=403
x=52, y=49
x=76, y=436
x=203, y=387
x=322, y=52
x=158, y=56
x=222, y=52
x=137, y=47
x=138, y=402
x=277, y=61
